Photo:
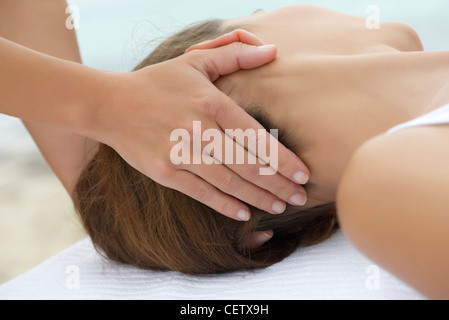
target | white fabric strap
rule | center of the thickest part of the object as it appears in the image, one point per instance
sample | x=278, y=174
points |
x=436, y=117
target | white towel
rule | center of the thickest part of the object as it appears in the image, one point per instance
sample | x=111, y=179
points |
x=333, y=269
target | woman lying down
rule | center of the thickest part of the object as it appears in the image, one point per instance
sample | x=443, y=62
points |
x=342, y=97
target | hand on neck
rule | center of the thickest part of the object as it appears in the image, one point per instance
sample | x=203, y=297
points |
x=331, y=105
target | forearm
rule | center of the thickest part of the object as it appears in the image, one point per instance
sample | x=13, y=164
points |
x=66, y=152
x=41, y=88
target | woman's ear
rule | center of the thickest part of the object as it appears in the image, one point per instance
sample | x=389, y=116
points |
x=238, y=35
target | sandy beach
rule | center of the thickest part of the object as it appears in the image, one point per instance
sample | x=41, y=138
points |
x=37, y=219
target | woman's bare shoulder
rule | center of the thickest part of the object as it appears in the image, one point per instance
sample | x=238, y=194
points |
x=393, y=204
x=406, y=165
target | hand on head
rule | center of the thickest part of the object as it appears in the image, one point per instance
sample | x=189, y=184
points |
x=172, y=95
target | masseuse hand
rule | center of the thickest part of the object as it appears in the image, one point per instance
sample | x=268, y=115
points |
x=144, y=108
x=135, y=113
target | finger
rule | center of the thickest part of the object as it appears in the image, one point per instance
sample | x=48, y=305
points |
x=231, y=168
x=238, y=35
x=231, y=58
x=229, y=115
x=277, y=184
x=281, y=160
x=232, y=184
x=202, y=191
x=243, y=162
x=259, y=238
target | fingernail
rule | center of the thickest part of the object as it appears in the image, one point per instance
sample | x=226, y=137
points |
x=263, y=237
x=301, y=177
x=298, y=199
x=279, y=207
x=243, y=215
x=267, y=47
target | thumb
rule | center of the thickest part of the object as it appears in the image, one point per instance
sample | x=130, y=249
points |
x=238, y=35
x=228, y=59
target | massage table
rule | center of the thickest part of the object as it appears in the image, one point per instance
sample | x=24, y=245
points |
x=330, y=270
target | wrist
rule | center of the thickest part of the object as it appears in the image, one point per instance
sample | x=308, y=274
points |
x=111, y=99
x=94, y=91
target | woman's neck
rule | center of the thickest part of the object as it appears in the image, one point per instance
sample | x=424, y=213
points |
x=329, y=105
x=340, y=102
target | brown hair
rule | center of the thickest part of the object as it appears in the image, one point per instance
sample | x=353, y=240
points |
x=133, y=220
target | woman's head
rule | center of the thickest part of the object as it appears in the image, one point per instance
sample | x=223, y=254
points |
x=134, y=220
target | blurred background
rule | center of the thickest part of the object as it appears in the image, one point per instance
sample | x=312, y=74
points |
x=36, y=216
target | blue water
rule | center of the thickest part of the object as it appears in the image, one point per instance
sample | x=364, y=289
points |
x=116, y=34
